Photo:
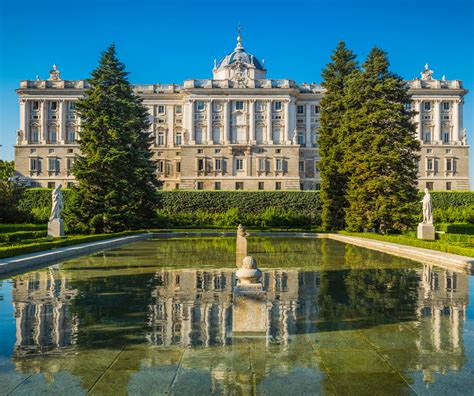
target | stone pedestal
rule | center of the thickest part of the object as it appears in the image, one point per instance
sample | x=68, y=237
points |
x=249, y=309
x=240, y=250
x=56, y=228
x=426, y=231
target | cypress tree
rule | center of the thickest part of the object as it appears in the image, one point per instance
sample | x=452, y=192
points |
x=381, y=149
x=333, y=105
x=116, y=182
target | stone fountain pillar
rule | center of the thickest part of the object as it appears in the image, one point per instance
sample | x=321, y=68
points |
x=240, y=245
x=249, y=300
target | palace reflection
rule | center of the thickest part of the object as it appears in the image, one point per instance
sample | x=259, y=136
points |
x=185, y=308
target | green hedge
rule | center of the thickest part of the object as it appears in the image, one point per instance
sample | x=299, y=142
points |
x=450, y=206
x=19, y=236
x=457, y=228
x=4, y=228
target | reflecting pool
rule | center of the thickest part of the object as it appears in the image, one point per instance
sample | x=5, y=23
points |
x=155, y=317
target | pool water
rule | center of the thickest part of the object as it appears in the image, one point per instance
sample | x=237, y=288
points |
x=156, y=317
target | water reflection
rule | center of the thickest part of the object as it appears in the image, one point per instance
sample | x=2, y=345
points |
x=176, y=325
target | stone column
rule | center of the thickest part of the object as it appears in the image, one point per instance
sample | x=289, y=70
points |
x=62, y=122
x=44, y=121
x=308, y=125
x=23, y=119
x=291, y=120
x=209, y=139
x=437, y=121
x=226, y=122
x=419, y=131
x=455, y=123
x=170, y=135
x=287, y=135
x=269, y=139
x=252, y=139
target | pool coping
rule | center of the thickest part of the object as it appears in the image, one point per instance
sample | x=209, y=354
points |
x=28, y=261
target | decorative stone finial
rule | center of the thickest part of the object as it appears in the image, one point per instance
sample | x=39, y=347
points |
x=443, y=78
x=249, y=273
x=38, y=77
x=54, y=73
x=215, y=63
x=427, y=73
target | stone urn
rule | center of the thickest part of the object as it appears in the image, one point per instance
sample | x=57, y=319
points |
x=248, y=273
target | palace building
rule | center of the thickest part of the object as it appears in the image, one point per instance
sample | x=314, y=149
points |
x=238, y=130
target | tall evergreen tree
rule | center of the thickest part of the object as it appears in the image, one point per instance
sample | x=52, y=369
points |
x=381, y=149
x=333, y=106
x=116, y=178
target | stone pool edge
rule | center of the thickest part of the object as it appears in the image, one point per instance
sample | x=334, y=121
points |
x=31, y=260
x=427, y=256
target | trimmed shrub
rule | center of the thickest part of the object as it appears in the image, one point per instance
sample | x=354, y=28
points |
x=457, y=228
x=18, y=236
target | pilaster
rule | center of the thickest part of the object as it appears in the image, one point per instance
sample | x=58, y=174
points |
x=456, y=133
x=226, y=122
x=170, y=141
x=44, y=121
x=269, y=139
x=208, y=138
x=419, y=130
x=62, y=122
x=308, y=125
x=252, y=139
x=437, y=121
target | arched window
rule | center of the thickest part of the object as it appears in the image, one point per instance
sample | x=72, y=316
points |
x=52, y=133
x=70, y=134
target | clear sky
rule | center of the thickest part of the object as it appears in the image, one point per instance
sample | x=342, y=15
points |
x=170, y=41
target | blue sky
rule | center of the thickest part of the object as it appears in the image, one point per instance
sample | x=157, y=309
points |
x=170, y=41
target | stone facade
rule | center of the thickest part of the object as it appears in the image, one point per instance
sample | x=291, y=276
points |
x=238, y=130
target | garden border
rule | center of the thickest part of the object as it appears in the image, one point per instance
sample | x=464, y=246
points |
x=440, y=259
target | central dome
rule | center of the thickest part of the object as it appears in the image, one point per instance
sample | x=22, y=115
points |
x=239, y=55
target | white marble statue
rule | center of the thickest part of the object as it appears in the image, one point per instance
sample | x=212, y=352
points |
x=58, y=205
x=427, y=207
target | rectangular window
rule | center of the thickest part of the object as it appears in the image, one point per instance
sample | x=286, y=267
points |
x=301, y=166
x=239, y=164
x=34, y=134
x=427, y=106
x=427, y=137
x=217, y=185
x=429, y=185
x=200, y=105
x=178, y=139
x=300, y=139
x=429, y=164
x=161, y=139
x=278, y=106
x=200, y=164
x=53, y=106
x=239, y=105
x=316, y=167
x=69, y=163
x=449, y=164
x=218, y=164
x=446, y=106
x=35, y=105
x=261, y=164
x=34, y=165
x=178, y=166
x=239, y=185
x=448, y=186
x=71, y=106
x=200, y=185
x=70, y=134
x=261, y=185
x=161, y=109
x=51, y=184
x=316, y=109
x=300, y=109
x=446, y=137
x=429, y=151
x=277, y=185
x=179, y=109
x=279, y=165
x=52, y=134
x=53, y=165
x=318, y=186
x=161, y=166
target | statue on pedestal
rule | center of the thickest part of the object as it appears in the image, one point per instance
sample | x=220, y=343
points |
x=427, y=207
x=55, y=223
x=426, y=229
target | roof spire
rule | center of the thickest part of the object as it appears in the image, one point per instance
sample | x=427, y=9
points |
x=239, y=37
